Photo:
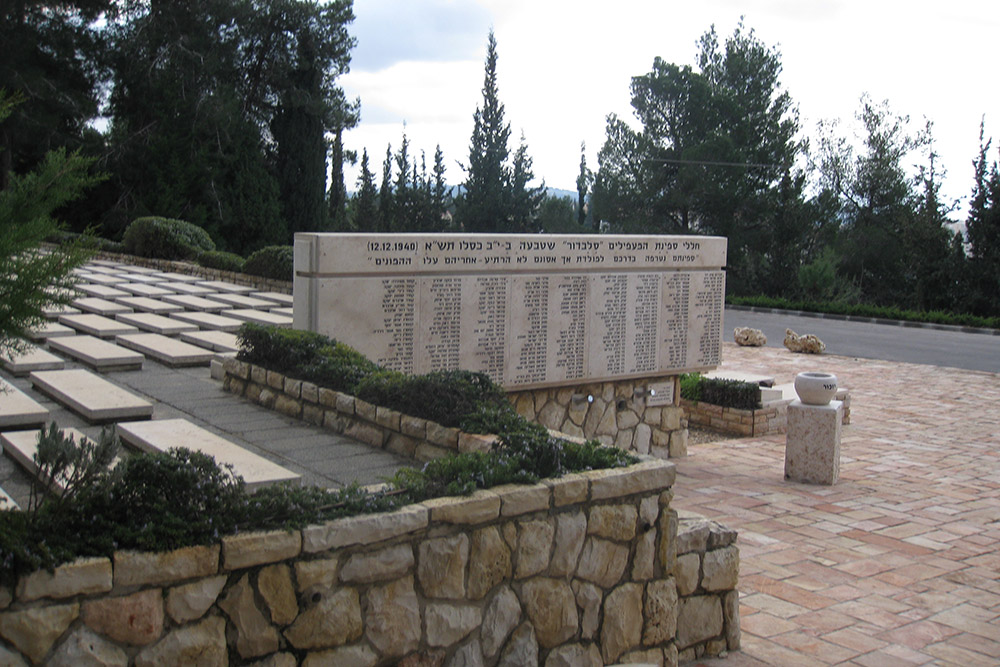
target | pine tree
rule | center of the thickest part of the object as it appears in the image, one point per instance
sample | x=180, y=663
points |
x=385, y=198
x=524, y=200
x=337, y=195
x=983, y=230
x=366, y=199
x=440, y=194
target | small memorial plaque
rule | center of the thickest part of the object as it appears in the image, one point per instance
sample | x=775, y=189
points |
x=660, y=393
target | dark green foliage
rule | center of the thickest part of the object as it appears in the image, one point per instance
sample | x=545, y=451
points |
x=276, y=262
x=164, y=238
x=63, y=462
x=445, y=397
x=220, y=259
x=691, y=386
x=727, y=393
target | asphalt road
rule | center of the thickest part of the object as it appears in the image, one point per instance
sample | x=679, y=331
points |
x=892, y=342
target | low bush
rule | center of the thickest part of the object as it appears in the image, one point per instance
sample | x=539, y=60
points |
x=164, y=238
x=726, y=393
x=276, y=262
x=445, y=397
x=219, y=259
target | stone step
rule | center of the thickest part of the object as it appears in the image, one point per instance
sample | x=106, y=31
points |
x=195, y=302
x=98, y=306
x=101, y=291
x=18, y=410
x=91, y=396
x=223, y=286
x=168, y=351
x=101, y=355
x=162, y=434
x=147, y=304
x=32, y=358
x=259, y=317
x=218, y=341
x=240, y=301
x=23, y=445
x=97, y=325
x=144, y=289
x=49, y=330
x=209, y=320
x=277, y=297
x=166, y=326
x=6, y=502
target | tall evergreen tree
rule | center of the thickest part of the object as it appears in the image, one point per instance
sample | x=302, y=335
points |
x=385, y=194
x=337, y=194
x=983, y=230
x=366, y=199
x=524, y=199
x=440, y=193
x=583, y=182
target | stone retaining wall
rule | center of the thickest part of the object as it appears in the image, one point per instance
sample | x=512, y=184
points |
x=588, y=569
x=613, y=412
x=762, y=421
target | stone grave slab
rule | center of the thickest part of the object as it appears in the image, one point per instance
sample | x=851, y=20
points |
x=135, y=277
x=218, y=341
x=175, y=277
x=277, y=297
x=18, y=410
x=55, y=310
x=99, y=306
x=6, y=502
x=146, y=304
x=101, y=291
x=91, y=396
x=259, y=317
x=101, y=355
x=22, y=446
x=223, y=286
x=143, y=289
x=209, y=320
x=190, y=288
x=193, y=302
x=162, y=434
x=32, y=358
x=105, y=279
x=240, y=301
x=97, y=325
x=287, y=311
x=49, y=330
x=141, y=270
x=154, y=323
x=168, y=351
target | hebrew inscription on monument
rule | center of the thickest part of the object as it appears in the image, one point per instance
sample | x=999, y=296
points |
x=529, y=310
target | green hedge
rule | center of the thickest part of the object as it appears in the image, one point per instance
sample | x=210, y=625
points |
x=276, y=262
x=725, y=393
x=164, y=238
x=219, y=259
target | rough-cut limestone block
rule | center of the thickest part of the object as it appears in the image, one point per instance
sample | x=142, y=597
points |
x=277, y=660
x=254, y=635
x=275, y=585
x=249, y=549
x=480, y=507
x=141, y=568
x=449, y=623
x=731, y=615
x=475, y=442
x=602, y=562
x=644, y=477
x=489, y=561
x=33, y=631
x=331, y=618
x=642, y=439
x=678, y=444
x=660, y=612
x=552, y=415
x=622, y=627
x=643, y=563
x=686, y=573
x=501, y=616
x=569, y=489
x=698, y=618
x=612, y=522
x=534, y=543
x=627, y=420
x=135, y=619
x=812, y=448
x=588, y=599
x=551, y=606
x=469, y=654
x=667, y=548
x=571, y=529
x=364, y=529
x=692, y=535
x=442, y=436
x=441, y=566
x=322, y=572
x=83, y=647
x=574, y=655
x=652, y=657
x=720, y=569
x=749, y=337
x=382, y=565
x=79, y=577
x=807, y=343
x=190, y=601
x=387, y=418
x=392, y=620
x=522, y=649
x=201, y=644
x=359, y=655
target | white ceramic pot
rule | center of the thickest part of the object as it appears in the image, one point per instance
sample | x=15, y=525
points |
x=816, y=388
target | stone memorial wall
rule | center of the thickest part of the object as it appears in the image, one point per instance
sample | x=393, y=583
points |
x=531, y=311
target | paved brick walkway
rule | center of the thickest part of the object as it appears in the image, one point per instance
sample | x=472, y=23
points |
x=896, y=564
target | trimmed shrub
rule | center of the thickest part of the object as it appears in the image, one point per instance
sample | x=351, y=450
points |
x=164, y=238
x=275, y=261
x=727, y=393
x=219, y=259
x=445, y=397
x=691, y=386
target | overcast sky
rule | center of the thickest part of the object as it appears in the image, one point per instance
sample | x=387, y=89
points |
x=564, y=65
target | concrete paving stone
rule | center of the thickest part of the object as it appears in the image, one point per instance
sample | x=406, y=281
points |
x=98, y=306
x=161, y=435
x=223, y=286
x=190, y=288
x=169, y=351
x=211, y=321
x=278, y=297
x=101, y=355
x=18, y=410
x=53, y=311
x=194, y=302
x=145, y=289
x=32, y=358
x=147, y=304
x=97, y=325
x=219, y=341
x=50, y=329
x=240, y=301
x=259, y=317
x=92, y=397
x=166, y=326
x=101, y=291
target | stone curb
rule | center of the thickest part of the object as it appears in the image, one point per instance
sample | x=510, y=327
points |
x=870, y=320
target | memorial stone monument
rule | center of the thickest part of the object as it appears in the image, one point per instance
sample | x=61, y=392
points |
x=534, y=312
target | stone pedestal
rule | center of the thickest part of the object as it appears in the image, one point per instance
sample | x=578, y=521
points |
x=812, y=447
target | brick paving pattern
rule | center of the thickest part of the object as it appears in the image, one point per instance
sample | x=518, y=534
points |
x=896, y=564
